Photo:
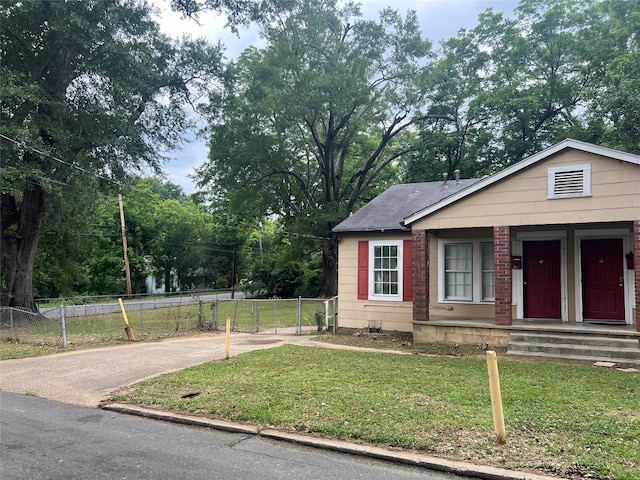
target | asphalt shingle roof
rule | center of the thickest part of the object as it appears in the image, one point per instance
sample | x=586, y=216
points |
x=387, y=210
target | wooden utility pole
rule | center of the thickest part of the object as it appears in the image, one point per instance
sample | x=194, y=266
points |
x=124, y=246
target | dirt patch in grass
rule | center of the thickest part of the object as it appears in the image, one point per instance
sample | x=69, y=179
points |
x=400, y=341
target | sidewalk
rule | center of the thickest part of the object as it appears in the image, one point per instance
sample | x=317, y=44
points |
x=87, y=377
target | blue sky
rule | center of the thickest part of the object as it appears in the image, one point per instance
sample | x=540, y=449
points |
x=439, y=19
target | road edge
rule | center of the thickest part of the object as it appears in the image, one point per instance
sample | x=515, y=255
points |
x=379, y=453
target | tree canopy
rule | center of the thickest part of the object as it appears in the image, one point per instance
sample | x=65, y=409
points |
x=308, y=126
x=514, y=85
x=90, y=91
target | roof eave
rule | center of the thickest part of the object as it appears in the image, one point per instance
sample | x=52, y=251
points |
x=371, y=230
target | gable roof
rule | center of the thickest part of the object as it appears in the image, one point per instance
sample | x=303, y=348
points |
x=516, y=167
x=385, y=212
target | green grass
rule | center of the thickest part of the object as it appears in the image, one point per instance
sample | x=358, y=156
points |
x=41, y=336
x=571, y=420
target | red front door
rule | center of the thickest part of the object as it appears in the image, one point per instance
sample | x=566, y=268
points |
x=603, y=279
x=542, y=286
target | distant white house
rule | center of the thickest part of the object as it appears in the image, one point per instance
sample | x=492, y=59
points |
x=155, y=283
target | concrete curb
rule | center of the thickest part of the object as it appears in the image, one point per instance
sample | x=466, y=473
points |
x=404, y=457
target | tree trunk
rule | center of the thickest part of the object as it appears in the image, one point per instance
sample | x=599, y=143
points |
x=330, y=270
x=21, y=230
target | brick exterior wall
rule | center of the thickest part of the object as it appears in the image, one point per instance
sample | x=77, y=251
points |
x=636, y=264
x=502, y=274
x=420, y=275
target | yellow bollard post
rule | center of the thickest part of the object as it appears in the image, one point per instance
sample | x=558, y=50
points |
x=496, y=397
x=228, y=338
x=127, y=327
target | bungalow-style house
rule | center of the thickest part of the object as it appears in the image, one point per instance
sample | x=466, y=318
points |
x=553, y=239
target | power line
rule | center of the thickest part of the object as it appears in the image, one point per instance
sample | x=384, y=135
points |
x=40, y=177
x=24, y=145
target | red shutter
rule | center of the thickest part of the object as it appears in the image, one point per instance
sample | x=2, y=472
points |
x=363, y=270
x=407, y=271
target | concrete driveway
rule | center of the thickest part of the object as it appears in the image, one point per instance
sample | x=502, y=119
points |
x=86, y=377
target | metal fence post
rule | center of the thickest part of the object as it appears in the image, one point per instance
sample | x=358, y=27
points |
x=141, y=323
x=334, y=314
x=275, y=317
x=235, y=315
x=13, y=336
x=299, y=317
x=326, y=314
x=64, y=327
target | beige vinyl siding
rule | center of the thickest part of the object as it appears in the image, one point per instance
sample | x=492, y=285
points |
x=521, y=199
x=354, y=313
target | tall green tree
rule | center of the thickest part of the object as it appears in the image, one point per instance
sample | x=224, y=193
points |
x=455, y=135
x=306, y=126
x=90, y=90
x=539, y=75
x=614, y=111
x=512, y=86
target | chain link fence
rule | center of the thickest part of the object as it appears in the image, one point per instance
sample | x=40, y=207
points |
x=93, y=324
x=275, y=315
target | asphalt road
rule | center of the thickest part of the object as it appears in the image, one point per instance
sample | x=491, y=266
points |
x=42, y=439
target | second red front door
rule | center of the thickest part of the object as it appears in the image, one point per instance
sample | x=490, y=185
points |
x=603, y=279
x=542, y=284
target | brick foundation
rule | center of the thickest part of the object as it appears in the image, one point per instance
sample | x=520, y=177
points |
x=502, y=274
x=420, y=276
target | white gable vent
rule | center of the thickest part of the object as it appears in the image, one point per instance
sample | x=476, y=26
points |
x=570, y=181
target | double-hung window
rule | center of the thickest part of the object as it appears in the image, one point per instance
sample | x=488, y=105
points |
x=465, y=271
x=386, y=278
x=458, y=283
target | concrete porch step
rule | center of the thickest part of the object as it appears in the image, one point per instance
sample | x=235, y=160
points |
x=563, y=349
x=584, y=339
x=627, y=362
x=613, y=348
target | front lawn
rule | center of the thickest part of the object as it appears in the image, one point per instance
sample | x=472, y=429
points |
x=575, y=421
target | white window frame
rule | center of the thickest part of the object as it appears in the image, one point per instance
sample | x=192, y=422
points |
x=493, y=271
x=586, y=181
x=457, y=272
x=399, y=267
x=476, y=269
